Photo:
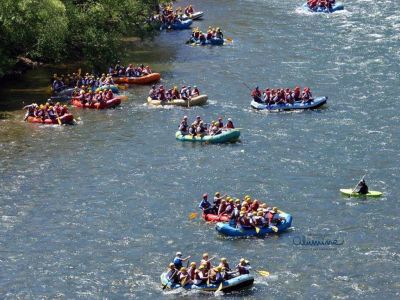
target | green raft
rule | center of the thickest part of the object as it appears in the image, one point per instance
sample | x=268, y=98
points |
x=228, y=136
x=349, y=192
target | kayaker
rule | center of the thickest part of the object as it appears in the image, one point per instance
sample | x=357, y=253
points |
x=184, y=277
x=256, y=94
x=178, y=260
x=229, y=124
x=205, y=205
x=172, y=274
x=361, y=188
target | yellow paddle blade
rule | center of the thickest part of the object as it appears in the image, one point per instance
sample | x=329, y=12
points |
x=124, y=97
x=230, y=40
x=257, y=229
x=263, y=273
x=192, y=216
x=220, y=287
x=122, y=87
x=274, y=229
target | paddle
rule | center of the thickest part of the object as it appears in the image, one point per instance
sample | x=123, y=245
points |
x=220, y=287
x=229, y=40
x=193, y=215
x=352, y=191
x=169, y=280
x=59, y=121
x=263, y=273
x=274, y=229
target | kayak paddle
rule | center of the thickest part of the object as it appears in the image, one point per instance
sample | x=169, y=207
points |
x=352, y=191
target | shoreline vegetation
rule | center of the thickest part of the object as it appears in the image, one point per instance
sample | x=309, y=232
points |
x=37, y=33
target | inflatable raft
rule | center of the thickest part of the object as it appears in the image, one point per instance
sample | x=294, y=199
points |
x=68, y=93
x=227, y=136
x=335, y=7
x=213, y=42
x=195, y=101
x=178, y=25
x=65, y=119
x=195, y=16
x=103, y=105
x=226, y=229
x=146, y=79
x=232, y=284
x=350, y=193
x=297, y=105
x=215, y=218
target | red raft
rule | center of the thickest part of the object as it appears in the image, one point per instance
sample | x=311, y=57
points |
x=65, y=119
x=103, y=105
x=145, y=79
x=215, y=218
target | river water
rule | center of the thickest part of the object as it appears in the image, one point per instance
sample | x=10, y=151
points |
x=98, y=210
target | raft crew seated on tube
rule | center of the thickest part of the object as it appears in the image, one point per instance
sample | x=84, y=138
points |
x=325, y=4
x=130, y=71
x=168, y=16
x=86, y=95
x=281, y=95
x=76, y=80
x=198, y=127
x=204, y=272
x=45, y=111
x=201, y=38
x=247, y=214
x=184, y=93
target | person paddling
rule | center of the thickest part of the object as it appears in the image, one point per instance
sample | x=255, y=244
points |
x=361, y=188
x=205, y=205
x=256, y=94
x=178, y=260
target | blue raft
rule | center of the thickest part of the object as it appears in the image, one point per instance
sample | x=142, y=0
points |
x=178, y=25
x=232, y=284
x=297, y=105
x=335, y=7
x=226, y=229
x=227, y=136
x=212, y=42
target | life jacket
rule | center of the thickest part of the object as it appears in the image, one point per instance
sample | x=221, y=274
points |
x=242, y=269
x=208, y=263
x=230, y=125
x=254, y=206
x=192, y=272
x=109, y=95
x=256, y=93
x=222, y=208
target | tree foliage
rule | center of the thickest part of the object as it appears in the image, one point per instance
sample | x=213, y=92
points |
x=55, y=30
